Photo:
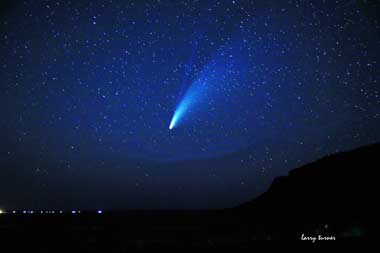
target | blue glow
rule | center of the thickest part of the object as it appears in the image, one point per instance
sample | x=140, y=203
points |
x=223, y=70
x=172, y=123
x=180, y=111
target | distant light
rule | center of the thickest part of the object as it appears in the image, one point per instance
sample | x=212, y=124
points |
x=24, y=211
x=73, y=212
x=1, y=212
x=100, y=211
x=60, y=212
x=13, y=211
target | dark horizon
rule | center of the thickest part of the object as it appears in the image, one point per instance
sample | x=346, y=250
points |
x=328, y=200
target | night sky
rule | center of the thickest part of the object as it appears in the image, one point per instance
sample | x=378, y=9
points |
x=178, y=104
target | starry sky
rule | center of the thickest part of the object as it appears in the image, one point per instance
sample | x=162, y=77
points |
x=256, y=88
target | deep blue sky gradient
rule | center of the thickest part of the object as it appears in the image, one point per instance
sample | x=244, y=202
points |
x=88, y=90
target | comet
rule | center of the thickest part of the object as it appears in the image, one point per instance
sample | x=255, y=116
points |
x=172, y=123
x=223, y=70
x=184, y=103
x=181, y=109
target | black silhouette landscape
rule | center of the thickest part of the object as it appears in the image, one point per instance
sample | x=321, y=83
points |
x=330, y=199
x=188, y=124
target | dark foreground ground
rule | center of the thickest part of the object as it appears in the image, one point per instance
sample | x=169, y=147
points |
x=331, y=199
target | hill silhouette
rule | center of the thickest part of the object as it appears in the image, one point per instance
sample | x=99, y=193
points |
x=333, y=197
x=338, y=189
